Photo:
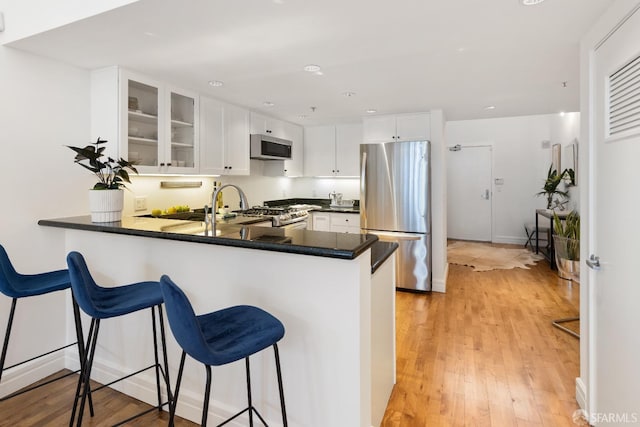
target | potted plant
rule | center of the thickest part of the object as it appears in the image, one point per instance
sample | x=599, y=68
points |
x=106, y=197
x=550, y=188
x=566, y=243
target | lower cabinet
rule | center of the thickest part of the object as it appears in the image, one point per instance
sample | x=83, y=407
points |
x=336, y=222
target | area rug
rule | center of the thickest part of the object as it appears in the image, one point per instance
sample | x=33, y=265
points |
x=484, y=257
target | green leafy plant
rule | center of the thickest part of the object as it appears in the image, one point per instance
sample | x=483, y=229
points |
x=550, y=188
x=569, y=229
x=112, y=174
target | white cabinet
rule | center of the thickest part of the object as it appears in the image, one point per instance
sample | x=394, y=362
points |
x=336, y=222
x=224, y=138
x=236, y=140
x=293, y=167
x=145, y=121
x=401, y=127
x=265, y=125
x=332, y=150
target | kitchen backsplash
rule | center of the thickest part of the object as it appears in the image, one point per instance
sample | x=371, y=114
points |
x=258, y=188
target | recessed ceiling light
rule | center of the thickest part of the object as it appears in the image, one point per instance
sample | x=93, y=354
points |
x=530, y=2
x=348, y=94
x=268, y=104
x=311, y=68
x=302, y=116
x=215, y=83
x=371, y=111
x=490, y=107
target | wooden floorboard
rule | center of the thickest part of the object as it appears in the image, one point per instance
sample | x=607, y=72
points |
x=483, y=354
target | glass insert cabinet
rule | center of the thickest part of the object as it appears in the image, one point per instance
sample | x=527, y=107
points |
x=160, y=126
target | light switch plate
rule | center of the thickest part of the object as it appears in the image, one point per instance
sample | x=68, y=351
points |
x=141, y=203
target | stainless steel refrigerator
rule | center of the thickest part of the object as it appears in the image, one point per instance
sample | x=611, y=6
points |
x=395, y=204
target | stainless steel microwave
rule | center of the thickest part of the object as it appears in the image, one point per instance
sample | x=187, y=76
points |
x=267, y=147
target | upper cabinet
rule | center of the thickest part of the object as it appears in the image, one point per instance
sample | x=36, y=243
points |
x=332, y=150
x=145, y=121
x=264, y=125
x=224, y=138
x=401, y=127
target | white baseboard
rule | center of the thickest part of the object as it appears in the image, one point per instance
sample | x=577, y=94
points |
x=143, y=387
x=440, y=285
x=581, y=394
x=21, y=376
x=509, y=240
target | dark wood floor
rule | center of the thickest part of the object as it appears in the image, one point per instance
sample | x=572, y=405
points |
x=483, y=354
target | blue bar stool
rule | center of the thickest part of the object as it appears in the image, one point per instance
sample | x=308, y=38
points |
x=104, y=303
x=219, y=338
x=16, y=286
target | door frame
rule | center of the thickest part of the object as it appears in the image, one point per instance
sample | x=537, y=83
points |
x=491, y=184
x=619, y=12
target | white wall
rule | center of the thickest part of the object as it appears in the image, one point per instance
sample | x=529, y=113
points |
x=45, y=106
x=24, y=18
x=520, y=160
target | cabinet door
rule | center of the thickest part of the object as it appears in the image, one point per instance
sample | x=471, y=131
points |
x=348, y=140
x=295, y=166
x=319, y=151
x=345, y=223
x=413, y=127
x=236, y=140
x=379, y=129
x=258, y=123
x=211, y=137
x=182, y=130
x=321, y=221
x=142, y=116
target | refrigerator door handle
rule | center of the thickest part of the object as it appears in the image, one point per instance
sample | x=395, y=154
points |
x=396, y=235
x=363, y=190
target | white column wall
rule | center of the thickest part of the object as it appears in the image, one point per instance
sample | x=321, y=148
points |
x=44, y=107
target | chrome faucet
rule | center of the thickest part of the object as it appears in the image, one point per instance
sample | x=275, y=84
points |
x=244, y=204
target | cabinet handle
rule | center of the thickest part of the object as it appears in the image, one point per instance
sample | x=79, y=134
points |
x=161, y=164
x=338, y=170
x=285, y=170
x=168, y=164
x=230, y=167
x=268, y=131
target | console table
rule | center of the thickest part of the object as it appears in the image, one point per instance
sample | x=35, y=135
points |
x=550, y=253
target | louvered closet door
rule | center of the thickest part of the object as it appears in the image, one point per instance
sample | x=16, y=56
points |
x=613, y=231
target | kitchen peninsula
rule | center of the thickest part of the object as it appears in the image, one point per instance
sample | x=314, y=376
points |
x=334, y=292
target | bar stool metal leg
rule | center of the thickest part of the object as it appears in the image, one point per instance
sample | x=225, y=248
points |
x=280, y=388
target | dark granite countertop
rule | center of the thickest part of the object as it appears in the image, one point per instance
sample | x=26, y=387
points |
x=380, y=251
x=298, y=241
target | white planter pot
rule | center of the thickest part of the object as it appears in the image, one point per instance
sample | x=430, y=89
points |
x=106, y=205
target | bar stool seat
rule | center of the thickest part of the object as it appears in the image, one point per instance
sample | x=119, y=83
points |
x=219, y=338
x=16, y=285
x=103, y=303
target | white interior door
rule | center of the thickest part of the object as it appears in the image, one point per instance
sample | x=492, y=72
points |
x=469, y=193
x=613, y=227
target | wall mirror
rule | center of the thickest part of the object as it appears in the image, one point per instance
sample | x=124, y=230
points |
x=570, y=159
x=556, y=155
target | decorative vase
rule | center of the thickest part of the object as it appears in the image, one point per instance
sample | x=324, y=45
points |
x=106, y=205
x=567, y=253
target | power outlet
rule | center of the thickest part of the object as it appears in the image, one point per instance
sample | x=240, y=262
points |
x=141, y=203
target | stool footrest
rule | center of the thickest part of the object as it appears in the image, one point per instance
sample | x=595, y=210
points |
x=123, y=422
x=250, y=408
x=24, y=390
x=38, y=357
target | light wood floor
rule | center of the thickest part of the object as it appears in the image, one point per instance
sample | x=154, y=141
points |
x=483, y=354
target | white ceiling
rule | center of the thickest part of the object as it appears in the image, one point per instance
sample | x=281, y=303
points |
x=396, y=55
